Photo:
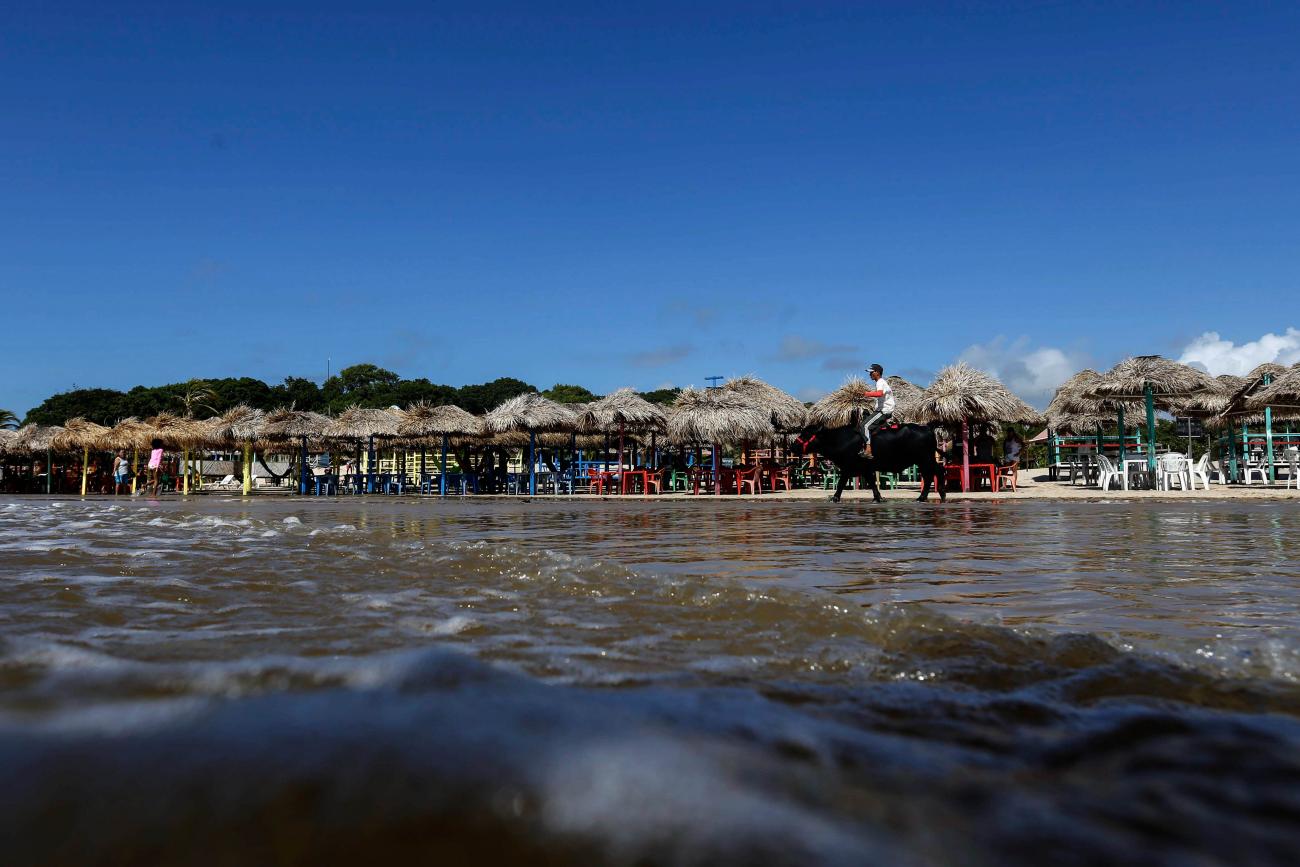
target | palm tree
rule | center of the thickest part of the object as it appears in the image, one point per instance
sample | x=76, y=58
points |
x=8, y=420
x=197, y=394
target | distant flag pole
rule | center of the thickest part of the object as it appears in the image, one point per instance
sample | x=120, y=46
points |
x=713, y=380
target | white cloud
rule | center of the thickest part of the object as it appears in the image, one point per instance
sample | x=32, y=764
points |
x=1216, y=355
x=1032, y=373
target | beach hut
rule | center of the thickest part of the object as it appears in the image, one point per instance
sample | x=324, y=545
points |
x=78, y=434
x=1073, y=409
x=838, y=408
x=361, y=424
x=533, y=414
x=179, y=432
x=1154, y=380
x=242, y=426
x=421, y=421
x=1272, y=393
x=298, y=426
x=33, y=439
x=623, y=410
x=959, y=395
x=130, y=433
x=716, y=417
x=8, y=438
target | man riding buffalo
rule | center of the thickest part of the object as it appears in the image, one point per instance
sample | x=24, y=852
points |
x=865, y=447
x=884, y=397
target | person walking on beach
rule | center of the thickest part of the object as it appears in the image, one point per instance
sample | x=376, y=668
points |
x=120, y=466
x=884, y=396
x=155, y=466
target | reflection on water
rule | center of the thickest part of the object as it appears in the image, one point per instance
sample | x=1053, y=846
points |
x=796, y=681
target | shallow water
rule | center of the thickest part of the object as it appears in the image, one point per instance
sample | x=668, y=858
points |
x=638, y=682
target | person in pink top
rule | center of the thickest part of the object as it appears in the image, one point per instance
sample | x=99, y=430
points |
x=155, y=465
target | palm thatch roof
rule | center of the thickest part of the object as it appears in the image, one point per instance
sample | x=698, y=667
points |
x=717, y=415
x=241, y=424
x=35, y=438
x=1238, y=402
x=623, y=407
x=1207, y=404
x=421, y=420
x=8, y=440
x=1129, y=379
x=1074, y=409
x=530, y=412
x=78, y=434
x=129, y=433
x=786, y=411
x=962, y=393
x=1282, y=393
x=176, y=432
x=837, y=408
x=359, y=423
x=286, y=423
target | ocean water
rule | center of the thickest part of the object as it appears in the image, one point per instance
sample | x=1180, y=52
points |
x=759, y=682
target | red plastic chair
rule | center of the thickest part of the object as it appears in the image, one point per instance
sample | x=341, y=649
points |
x=654, y=481
x=600, y=481
x=747, y=476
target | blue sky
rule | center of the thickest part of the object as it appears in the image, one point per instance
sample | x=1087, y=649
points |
x=645, y=194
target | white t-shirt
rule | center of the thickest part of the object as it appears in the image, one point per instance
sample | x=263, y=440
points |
x=884, y=403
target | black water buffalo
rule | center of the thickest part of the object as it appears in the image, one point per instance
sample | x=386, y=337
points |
x=894, y=449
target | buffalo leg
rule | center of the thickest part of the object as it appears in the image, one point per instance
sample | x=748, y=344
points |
x=926, y=473
x=839, y=486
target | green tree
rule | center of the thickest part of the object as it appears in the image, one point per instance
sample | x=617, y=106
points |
x=101, y=405
x=481, y=398
x=663, y=396
x=298, y=392
x=569, y=394
x=8, y=420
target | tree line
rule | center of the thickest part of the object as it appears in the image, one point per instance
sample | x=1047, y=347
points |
x=364, y=385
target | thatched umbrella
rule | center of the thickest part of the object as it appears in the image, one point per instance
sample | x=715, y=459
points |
x=130, y=433
x=83, y=435
x=962, y=394
x=361, y=424
x=289, y=425
x=1074, y=409
x=1270, y=392
x=1156, y=381
x=242, y=426
x=34, y=439
x=786, y=411
x=534, y=414
x=7, y=440
x=838, y=408
x=422, y=420
x=715, y=416
x=179, y=432
x=624, y=409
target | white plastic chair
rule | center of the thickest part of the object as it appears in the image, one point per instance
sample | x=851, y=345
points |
x=1172, y=467
x=1219, y=469
x=1292, y=458
x=1200, y=471
x=1249, y=469
x=1106, y=472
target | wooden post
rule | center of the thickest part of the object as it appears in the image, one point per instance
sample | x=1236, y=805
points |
x=135, y=466
x=532, y=464
x=717, y=480
x=965, y=456
x=248, y=469
x=185, y=472
x=85, y=467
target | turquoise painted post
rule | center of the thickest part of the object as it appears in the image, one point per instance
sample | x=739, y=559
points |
x=1268, y=434
x=1122, y=450
x=532, y=464
x=442, y=475
x=1151, y=429
x=422, y=468
x=1245, y=445
x=1232, y=454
